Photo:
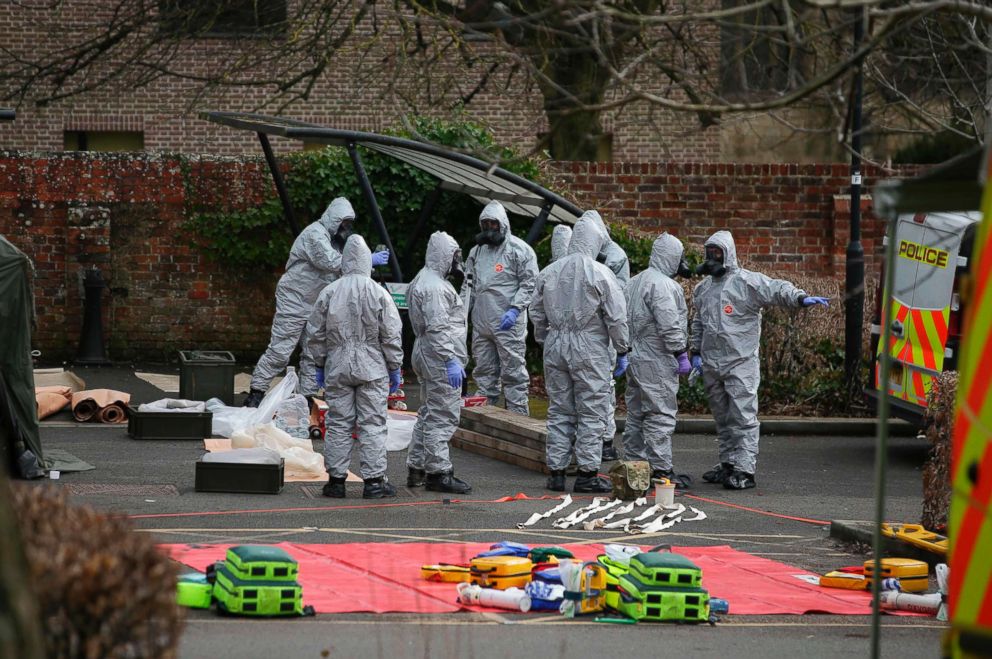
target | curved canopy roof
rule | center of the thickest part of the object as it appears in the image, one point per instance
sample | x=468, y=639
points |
x=456, y=171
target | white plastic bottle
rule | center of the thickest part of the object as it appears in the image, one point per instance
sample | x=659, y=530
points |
x=512, y=599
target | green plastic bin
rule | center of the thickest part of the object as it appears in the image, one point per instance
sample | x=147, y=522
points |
x=205, y=374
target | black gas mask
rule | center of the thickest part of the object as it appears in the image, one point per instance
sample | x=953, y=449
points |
x=713, y=265
x=490, y=234
x=345, y=230
x=683, y=270
x=456, y=273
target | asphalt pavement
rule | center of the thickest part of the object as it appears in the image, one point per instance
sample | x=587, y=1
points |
x=804, y=482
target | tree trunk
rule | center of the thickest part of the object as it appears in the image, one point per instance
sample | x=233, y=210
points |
x=575, y=131
x=20, y=632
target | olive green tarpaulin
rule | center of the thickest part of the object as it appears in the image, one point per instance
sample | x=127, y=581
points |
x=20, y=443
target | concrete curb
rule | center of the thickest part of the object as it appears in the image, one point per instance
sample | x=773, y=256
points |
x=847, y=530
x=797, y=426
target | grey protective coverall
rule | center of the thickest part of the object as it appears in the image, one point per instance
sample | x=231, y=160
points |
x=355, y=334
x=578, y=313
x=613, y=257
x=657, y=315
x=314, y=262
x=559, y=241
x=503, y=276
x=726, y=331
x=439, y=325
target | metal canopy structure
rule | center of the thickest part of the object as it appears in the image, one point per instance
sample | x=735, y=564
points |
x=456, y=172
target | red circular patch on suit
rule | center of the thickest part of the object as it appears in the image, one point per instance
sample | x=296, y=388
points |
x=728, y=310
x=499, y=267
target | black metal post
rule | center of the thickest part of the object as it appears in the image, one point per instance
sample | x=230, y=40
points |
x=854, y=289
x=425, y=214
x=363, y=181
x=91, y=350
x=287, y=207
x=537, y=228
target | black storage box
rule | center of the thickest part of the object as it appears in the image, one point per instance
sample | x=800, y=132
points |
x=205, y=374
x=169, y=425
x=239, y=477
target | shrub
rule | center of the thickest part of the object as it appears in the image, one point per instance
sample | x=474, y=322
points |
x=256, y=241
x=937, y=470
x=102, y=589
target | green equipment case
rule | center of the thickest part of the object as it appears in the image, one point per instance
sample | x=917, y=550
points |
x=665, y=569
x=642, y=601
x=614, y=570
x=193, y=590
x=257, y=597
x=261, y=562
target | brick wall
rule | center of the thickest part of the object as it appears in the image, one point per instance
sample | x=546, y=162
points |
x=124, y=214
x=359, y=90
x=785, y=218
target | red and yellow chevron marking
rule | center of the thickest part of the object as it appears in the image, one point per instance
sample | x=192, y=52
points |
x=922, y=344
x=970, y=522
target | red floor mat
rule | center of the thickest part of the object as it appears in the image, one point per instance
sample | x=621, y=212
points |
x=382, y=577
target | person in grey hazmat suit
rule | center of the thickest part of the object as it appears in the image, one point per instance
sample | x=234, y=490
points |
x=559, y=241
x=578, y=313
x=503, y=270
x=613, y=257
x=354, y=335
x=657, y=316
x=726, y=331
x=314, y=262
x=439, y=357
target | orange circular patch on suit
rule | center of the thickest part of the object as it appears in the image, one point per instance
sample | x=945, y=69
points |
x=499, y=267
x=728, y=310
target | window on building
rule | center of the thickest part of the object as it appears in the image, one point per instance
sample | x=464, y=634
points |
x=219, y=18
x=103, y=140
x=753, y=55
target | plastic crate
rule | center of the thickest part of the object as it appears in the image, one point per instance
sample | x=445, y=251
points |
x=169, y=425
x=246, y=478
x=257, y=598
x=642, y=601
x=665, y=569
x=205, y=374
x=261, y=562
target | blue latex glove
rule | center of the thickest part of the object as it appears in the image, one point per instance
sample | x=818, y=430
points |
x=810, y=301
x=684, y=365
x=394, y=381
x=509, y=318
x=380, y=258
x=622, y=363
x=320, y=378
x=456, y=373
x=697, y=364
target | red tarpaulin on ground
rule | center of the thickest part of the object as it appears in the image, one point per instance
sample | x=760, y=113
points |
x=384, y=577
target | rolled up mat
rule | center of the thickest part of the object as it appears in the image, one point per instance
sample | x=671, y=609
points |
x=85, y=409
x=113, y=413
x=49, y=403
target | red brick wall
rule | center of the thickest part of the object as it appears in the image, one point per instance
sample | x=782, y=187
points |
x=124, y=214
x=785, y=218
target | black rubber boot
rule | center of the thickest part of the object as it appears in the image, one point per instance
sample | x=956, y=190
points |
x=334, y=488
x=378, y=488
x=446, y=482
x=590, y=481
x=556, y=481
x=718, y=473
x=610, y=452
x=415, y=477
x=739, y=480
x=681, y=481
x=254, y=398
